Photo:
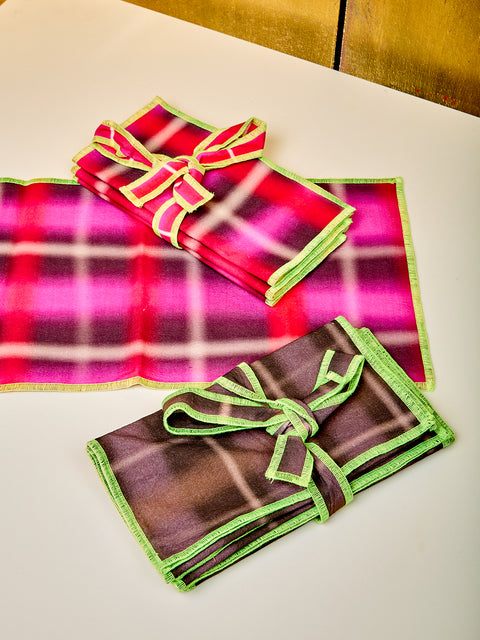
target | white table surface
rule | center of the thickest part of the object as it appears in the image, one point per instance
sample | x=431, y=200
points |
x=403, y=560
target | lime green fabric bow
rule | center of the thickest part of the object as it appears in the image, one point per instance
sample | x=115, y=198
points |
x=229, y=405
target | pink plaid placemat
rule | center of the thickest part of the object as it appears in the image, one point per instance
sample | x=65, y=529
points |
x=92, y=299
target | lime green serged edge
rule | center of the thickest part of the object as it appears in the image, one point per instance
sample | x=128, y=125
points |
x=25, y=183
x=429, y=384
x=97, y=386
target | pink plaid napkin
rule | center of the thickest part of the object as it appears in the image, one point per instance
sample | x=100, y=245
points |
x=210, y=191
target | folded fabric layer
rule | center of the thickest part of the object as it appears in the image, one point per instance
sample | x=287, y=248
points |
x=210, y=192
x=89, y=298
x=220, y=472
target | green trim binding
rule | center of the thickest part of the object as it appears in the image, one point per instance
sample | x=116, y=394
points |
x=386, y=366
x=256, y=397
x=223, y=424
x=25, y=183
x=292, y=272
x=279, y=531
x=97, y=386
x=164, y=567
x=386, y=447
x=333, y=467
x=272, y=472
x=395, y=465
x=216, y=552
x=235, y=524
x=104, y=470
x=429, y=384
x=318, y=500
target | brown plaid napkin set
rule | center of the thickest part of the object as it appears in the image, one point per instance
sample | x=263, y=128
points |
x=222, y=471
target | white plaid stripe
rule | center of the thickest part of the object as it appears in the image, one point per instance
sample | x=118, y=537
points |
x=223, y=212
x=349, y=251
x=111, y=171
x=169, y=351
x=349, y=256
x=147, y=450
x=168, y=131
x=80, y=249
x=196, y=319
x=396, y=338
x=344, y=253
x=373, y=432
x=270, y=381
x=234, y=472
x=376, y=386
x=83, y=278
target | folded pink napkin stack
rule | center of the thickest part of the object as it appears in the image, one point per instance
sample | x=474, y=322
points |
x=211, y=192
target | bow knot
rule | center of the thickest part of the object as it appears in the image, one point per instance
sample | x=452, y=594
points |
x=183, y=173
x=193, y=166
x=231, y=405
x=300, y=418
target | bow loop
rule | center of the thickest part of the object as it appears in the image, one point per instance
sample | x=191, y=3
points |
x=119, y=145
x=183, y=173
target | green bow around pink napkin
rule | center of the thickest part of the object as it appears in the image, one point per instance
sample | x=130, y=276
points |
x=222, y=471
x=210, y=192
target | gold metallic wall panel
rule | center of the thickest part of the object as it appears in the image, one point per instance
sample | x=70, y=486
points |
x=429, y=49
x=303, y=28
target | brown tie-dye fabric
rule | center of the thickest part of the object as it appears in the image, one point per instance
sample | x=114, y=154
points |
x=197, y=497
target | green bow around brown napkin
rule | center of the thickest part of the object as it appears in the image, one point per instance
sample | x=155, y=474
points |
x=220, y=472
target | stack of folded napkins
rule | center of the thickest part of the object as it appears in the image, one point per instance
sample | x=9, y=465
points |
x=221, y=472
x=210, y=191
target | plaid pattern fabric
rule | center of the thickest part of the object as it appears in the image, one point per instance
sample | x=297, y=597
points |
x=89, y=298
x=192, y=481
x=265, y=228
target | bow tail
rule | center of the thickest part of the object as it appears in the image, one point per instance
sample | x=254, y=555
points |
x=294, y=461
x=291, y=461
x=190, y=194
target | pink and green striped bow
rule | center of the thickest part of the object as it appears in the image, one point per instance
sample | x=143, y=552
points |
x=230, y=405
x=184, y=174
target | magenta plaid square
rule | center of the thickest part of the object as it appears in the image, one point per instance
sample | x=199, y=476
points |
x=90, y=298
